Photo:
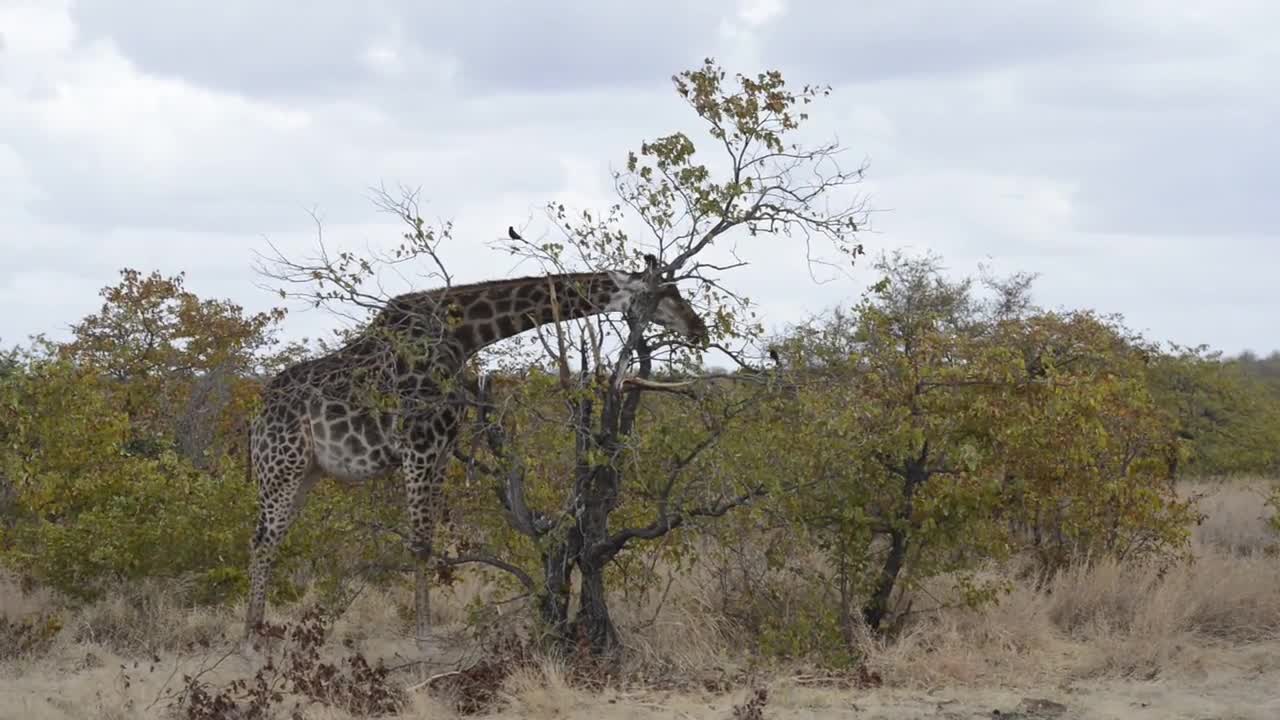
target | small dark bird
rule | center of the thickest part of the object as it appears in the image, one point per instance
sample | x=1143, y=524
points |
x=511, y=233
x=773, y=355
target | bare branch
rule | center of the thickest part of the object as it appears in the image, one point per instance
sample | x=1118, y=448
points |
x=334, y=279
x=665, y=523
x=475, y=558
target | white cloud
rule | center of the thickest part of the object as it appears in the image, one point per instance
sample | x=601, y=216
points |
x=1125, y=150
x=759, y=12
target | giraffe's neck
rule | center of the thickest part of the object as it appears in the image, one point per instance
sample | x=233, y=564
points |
x=484, y=313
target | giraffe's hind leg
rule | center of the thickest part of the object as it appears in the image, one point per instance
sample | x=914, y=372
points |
x=285, y=474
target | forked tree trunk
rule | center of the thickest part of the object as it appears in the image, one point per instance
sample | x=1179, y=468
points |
x=916, y=474
x=878, y=605
x=557, y=574
x=597, y=489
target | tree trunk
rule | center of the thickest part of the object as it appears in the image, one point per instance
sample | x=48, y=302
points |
x=916, y=474
x=846, y=600
x=593, y=620
x=557, y=573
x=597, y=499
x=878, y=606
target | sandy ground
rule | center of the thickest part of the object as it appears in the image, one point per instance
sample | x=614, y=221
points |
x=1199, y=640
x=1244, y=682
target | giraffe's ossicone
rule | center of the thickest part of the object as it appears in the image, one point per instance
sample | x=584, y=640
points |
x=386, y=401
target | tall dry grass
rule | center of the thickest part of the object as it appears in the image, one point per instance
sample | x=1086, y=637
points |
x=1107, y=631
x=1137, y=620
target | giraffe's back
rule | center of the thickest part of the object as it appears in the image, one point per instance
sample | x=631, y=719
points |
x=347, y=406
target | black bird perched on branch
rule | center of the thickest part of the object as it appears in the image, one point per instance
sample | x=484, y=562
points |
x=511, y=233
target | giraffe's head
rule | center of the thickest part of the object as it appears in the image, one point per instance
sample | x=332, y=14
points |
x=673, y=311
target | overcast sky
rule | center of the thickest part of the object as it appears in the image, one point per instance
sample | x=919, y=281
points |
x=1128, y=151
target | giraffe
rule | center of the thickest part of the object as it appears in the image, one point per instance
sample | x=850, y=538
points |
x=317, y=417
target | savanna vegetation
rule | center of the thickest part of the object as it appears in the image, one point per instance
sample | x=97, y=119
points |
x=926, y=466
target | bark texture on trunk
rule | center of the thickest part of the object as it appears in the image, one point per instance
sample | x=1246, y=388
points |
x=593, y=620
x=915, y=473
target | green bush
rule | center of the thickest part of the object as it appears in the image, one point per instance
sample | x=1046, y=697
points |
x=928, y=432
x=161, y=518
x=86, y=514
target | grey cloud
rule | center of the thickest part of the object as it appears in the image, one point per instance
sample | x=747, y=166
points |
x=1126, y=157
x=888, y=39
x=559, y=45
x=296, y=49
x=1181, y=181
x=256, y=181
x=285, y=48
x=1164, y=164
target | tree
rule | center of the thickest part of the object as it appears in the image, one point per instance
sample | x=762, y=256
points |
x=1086, y=471
x=601, y=374
x=899, y=396
x=85, y=514
x=180, y=367
x=943, y=430
x=1227, y=419
x=11, y=370
x=124, y=439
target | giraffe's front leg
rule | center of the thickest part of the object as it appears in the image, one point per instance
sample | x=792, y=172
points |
x=424, y=473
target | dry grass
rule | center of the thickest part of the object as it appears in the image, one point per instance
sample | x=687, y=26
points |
x=1122, y=641
x=1237, y=515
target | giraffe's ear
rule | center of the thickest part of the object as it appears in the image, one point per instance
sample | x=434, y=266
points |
x=650, y=265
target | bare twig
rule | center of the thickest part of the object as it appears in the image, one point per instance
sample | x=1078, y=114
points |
x=475, y=558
